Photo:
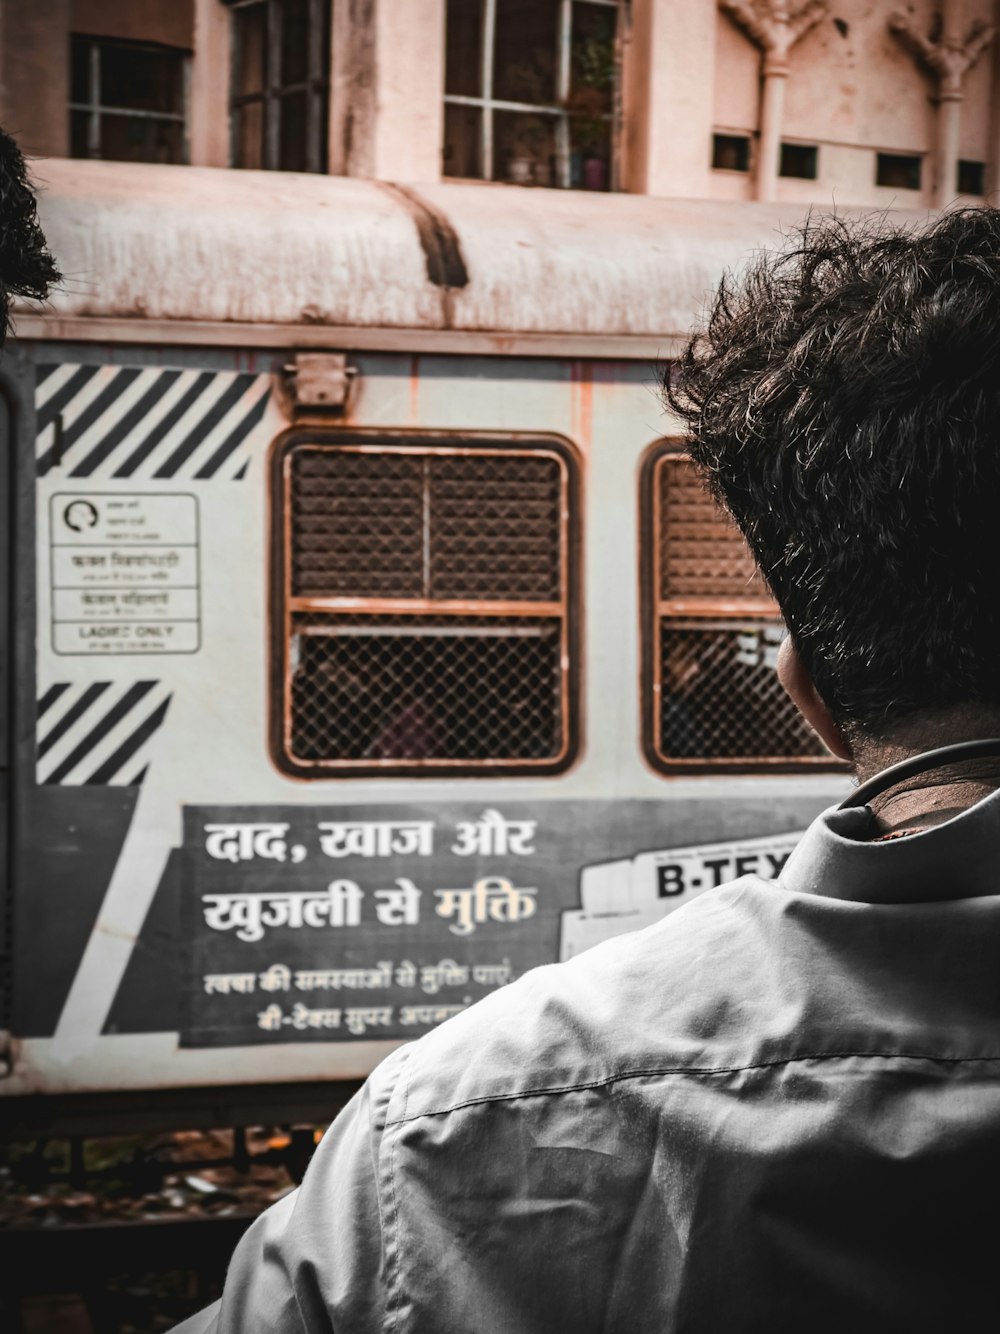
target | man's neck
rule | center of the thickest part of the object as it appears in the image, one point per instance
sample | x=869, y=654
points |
x=930, y=799
x=938, y=794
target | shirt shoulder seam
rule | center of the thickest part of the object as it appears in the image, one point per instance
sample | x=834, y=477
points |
x=695, y=1070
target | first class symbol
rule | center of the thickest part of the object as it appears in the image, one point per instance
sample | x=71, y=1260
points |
x=80, y=515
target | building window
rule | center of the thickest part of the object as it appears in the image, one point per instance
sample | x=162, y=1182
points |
x=799, y=160
x=127, y=100
x=731, y=152
x=424, y=606
x=971, y=178
x=530, y=91
x=898, y=170
x=279, y=103
x=711, y=697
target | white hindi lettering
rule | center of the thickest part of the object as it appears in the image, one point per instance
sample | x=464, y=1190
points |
x=428, y=1014
x=322, y=979
x=399, y=906
x=446, y=973
x=243, y=842
x=251, y=914
x=491, y=897
x=224, y=983
x=377, y=838
x=493, y=836
x=360, y=1018
x=492, y=974
x=276, y=978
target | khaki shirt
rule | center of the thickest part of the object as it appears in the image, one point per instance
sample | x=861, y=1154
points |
x=777, y=1110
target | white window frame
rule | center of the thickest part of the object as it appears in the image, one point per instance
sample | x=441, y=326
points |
x=488, y=104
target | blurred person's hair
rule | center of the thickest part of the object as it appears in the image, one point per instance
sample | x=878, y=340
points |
x=26, y=267
x=844, y=405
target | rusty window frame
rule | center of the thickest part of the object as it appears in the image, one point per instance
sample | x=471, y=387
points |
x=722, y=613
x=488, y=105
x=285, y=607
x=271, y=98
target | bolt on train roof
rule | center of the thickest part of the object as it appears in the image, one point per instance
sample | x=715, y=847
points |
x=217, y=256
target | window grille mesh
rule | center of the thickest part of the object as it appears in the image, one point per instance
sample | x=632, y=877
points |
x=720, y=696
x=713, y=698
x=424, y=688
x=374, y=684
x=419, y=526
x=701, y=552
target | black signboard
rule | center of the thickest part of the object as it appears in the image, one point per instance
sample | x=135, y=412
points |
x=312, y=923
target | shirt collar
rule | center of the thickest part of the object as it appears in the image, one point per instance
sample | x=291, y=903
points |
x=959, y=859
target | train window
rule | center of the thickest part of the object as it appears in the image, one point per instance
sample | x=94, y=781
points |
x=423, y=611
x=279, y=98
x=127, y=100
x=711, y=697
x=530, y=91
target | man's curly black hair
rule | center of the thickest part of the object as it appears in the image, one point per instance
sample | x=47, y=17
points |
x=844, y=405
x=26, y=267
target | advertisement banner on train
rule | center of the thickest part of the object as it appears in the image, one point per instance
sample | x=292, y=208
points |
x=319, y=924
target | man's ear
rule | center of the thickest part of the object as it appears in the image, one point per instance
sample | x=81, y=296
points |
x=798, y=683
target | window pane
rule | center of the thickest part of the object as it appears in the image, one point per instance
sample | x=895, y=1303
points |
x=494, y=527
x=80, y=71
x=702, y=552
x=485, y=689
x=141, y=79
x=248, y=139
x=463, y=51
x=292, y=145
x=897, y=170
x=141, y=139
x=590, y=153
x=462, y=130
x=525, y=49
x=730, y=152
x=799, y=160
x=452, y=680
x=720, y=694
x=592, y=60
x=79, y=128
x=295, y=41
x=357, y=524
x=250, y=35
x=971, y=178
x=524, y=151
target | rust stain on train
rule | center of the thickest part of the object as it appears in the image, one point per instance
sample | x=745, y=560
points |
x=581, y=402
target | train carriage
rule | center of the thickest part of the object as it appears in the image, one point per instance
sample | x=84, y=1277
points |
x=369, y=639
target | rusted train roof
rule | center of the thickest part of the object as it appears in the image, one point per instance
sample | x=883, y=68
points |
x=176, y=247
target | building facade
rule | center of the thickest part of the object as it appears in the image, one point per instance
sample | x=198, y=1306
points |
x=852, y=102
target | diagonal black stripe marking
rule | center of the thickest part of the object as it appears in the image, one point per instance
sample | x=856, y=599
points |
x=165, y=424
x=127, y=749
x=81, y=706
x=137, y=781
x=49, y=411
x=42, y=373
x=124, y=425
x=211, y=419
x=50, y=697
x=242, y=472
x=235, y=438
x=111, y=391
x=127, y=702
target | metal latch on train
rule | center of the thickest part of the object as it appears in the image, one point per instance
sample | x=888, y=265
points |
x=320, y=380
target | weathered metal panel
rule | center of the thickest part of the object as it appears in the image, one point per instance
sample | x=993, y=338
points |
x=195, y=244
